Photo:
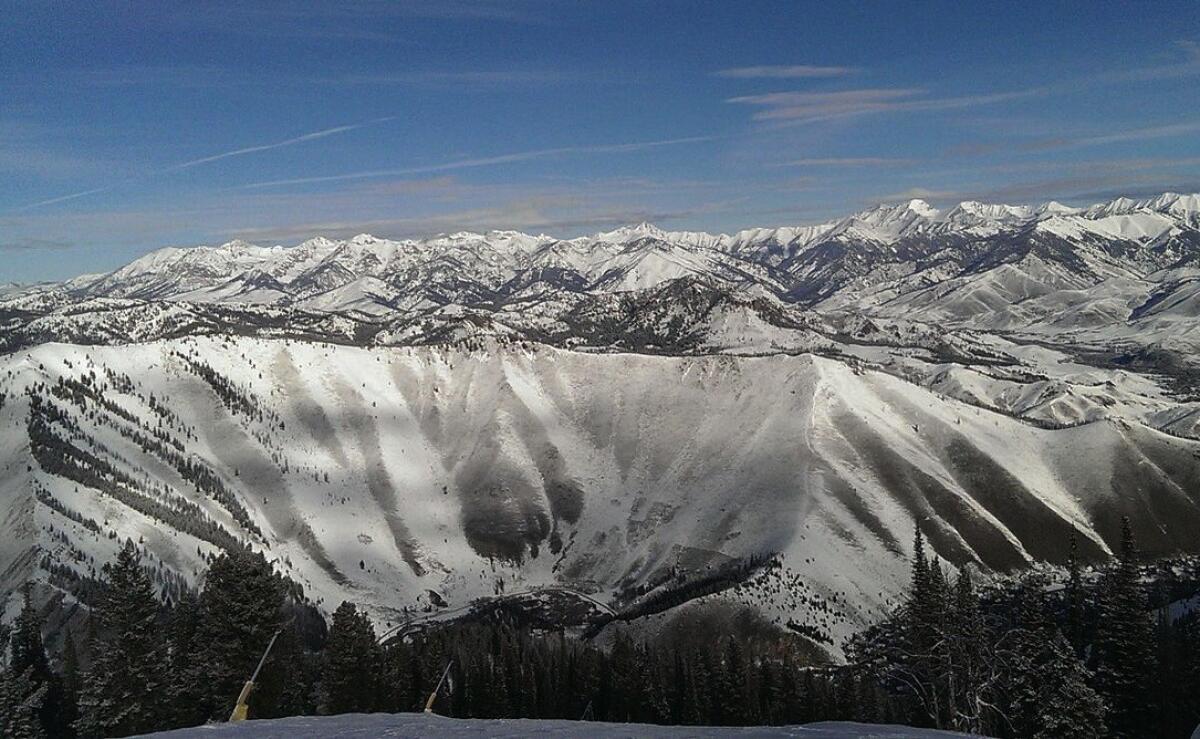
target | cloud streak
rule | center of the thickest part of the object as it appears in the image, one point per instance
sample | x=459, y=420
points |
x=848, y=162
x=277, y=145
x=520, y=156
x=62, y=198
x=795, y=71
x=526, y=215
x=311, y=136
x=35, y=245
x=810, y=107
x=202, y=77
x=1139, y=134
x=800, y=107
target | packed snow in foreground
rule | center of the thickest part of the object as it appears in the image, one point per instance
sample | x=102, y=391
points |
x=397, y=726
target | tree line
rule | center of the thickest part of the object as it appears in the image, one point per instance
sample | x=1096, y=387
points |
x=1034, y=658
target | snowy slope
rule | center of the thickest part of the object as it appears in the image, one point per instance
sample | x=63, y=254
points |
x=888, y=242
x=474, y=414
x=381, y=474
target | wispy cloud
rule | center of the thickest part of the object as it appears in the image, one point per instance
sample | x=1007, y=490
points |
x=809, y=107
x=35, y=245
x=1077, y=187
x=487, y=80
x=848, y=162
x=311, y=136
x=922, y=193
x=533, y=214
x=838, y=98
x=1148, y=133
x=445, y=183
x=366, y=20
x=520, y=156
x=276, y=145
x=799, y=107
x=216, y=77
x=1141, y=134
x=793, y=71
x=62, y=198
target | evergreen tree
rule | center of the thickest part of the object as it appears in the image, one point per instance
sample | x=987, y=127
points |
x=69, y=682
x=919, y=588
x=26, y=651
x=1183, y=679
x=351, y=664
x=922, y=662
x=734, y=699
x=123, y=690
x=70, y=675
x=27, y=654
x=972, y=669
x=1069, y=708
x=185, y=685
x=1124, y=647
x=700, y=699
x=1048, y=685
x=240, y=610
x=21, y=704
x=624, y=670
x=1074, y=597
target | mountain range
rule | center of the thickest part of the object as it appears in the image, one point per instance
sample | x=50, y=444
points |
x=639, y=421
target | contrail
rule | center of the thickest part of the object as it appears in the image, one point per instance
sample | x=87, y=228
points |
x=278, y=144
x=519, y=156
x=215, y=157
x=61, y=198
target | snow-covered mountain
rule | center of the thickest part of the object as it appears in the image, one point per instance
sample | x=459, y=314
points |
x=623, y=419
x=1124, y=251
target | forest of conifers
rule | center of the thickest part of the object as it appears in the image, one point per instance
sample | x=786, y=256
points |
x=1104, y=653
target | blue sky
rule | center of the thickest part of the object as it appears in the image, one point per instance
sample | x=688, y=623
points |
x=128, y=126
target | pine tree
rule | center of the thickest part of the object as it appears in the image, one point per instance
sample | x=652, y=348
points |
x=734, y=697
x=240, y=610
x=920, y=568
x=350, y=664
x=972, y=670
x=185, y=685
x=28, y=658
x=1074, y=599
x=69, y=684
x=1069, y=708
x=1184, y=698
x=700, y=701
x=624, y=669
x=21, y=704
x=123, y=691
x=70, y=675
x=926, y=660
x=1048, y=685
x=1124, y=648
x=652, y=704
x=26, y=651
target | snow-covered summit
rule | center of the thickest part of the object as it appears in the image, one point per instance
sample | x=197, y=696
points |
x=379, y=274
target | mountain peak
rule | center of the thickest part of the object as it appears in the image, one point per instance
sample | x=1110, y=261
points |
x=626, y=233
x=922, y=208
x=1053, y=207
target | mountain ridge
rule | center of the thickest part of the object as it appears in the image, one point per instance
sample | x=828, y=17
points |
x=625, y=415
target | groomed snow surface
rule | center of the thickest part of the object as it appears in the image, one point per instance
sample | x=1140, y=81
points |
x=405, y=725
